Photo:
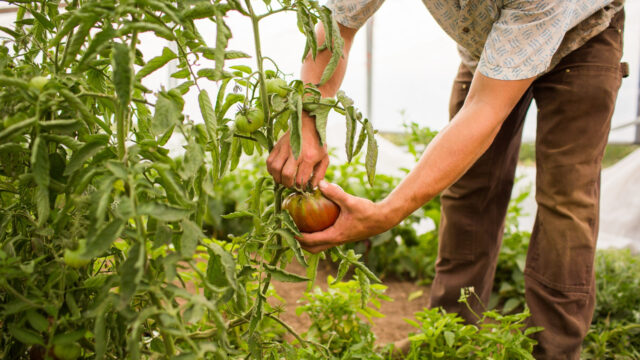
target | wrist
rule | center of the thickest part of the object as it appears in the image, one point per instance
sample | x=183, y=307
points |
x=389, y=212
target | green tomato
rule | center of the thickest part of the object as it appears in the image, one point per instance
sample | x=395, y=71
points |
x=277, y=86
x=75, y=258
x=38, y=82
x=250, y=120
x=67, y=351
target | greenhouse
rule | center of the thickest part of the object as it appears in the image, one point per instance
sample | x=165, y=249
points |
x=319, y=179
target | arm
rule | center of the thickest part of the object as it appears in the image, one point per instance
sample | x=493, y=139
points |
x=446, y=158
x=313, y=160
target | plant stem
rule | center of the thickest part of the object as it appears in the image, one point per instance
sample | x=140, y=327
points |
x=259, y=59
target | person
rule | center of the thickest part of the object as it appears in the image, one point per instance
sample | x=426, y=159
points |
x=565, y=55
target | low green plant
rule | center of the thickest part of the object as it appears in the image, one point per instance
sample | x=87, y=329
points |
x=615, y=329
x=340, y=318
x=446, y=336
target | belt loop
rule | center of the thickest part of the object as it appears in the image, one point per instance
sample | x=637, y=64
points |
x=624, y=69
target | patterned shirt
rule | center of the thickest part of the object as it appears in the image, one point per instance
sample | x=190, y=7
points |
x=505, y=39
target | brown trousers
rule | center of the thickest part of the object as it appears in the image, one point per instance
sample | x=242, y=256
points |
x=575, y=103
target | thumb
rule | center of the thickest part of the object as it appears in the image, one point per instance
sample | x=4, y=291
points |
x=334, y=193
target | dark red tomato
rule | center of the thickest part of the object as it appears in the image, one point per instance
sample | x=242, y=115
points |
x=311, y=211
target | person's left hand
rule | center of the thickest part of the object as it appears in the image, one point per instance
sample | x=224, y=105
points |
x=359, y=219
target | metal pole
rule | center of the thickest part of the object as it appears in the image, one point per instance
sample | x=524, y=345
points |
x=369, y=114
x=637, y=139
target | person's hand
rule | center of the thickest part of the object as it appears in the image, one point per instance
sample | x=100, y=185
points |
x=359, y=219
x=310, y=166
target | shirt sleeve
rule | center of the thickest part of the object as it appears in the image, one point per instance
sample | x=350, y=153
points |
x=524, y=38
x=353, y=13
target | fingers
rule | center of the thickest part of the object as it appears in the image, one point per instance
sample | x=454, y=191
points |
x=275, y=162
x=320, y=171
x=304, y=173
x=334, y=193
x=289, y=171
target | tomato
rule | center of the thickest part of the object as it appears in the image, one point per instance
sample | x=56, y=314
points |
x=277, y=86
x=75, y=258
x=38, y=82
x=249, y=120
x=67, y=351
x=311, y=211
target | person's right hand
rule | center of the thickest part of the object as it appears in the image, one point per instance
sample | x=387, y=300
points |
x=310, y=166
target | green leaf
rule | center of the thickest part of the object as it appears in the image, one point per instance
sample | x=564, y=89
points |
x=351, y=128
x=511, y=305
x=361, y=138
x=238, y=214
x=450, y=338
x=294, y=245
x=60, y=125
x=163, y=212
x=365, y=287
x=41, y=19
x=37, y=320
x=228, y=264
x=191, y=235
x=296, y=125
x=102, y=39
x=200, y=11
x=193, y=160
x=372, y=153
x=131, y=273
x=208, y=114
x=141, y=27
x=312, y=270
x=336, y=53
x=122, y=73
x=100, y=333
x=71, y=337
x=99, y=243
x=16, y=129
x=156, y=63
x=167, y=114
x=282, y=275
x=40, y=162
x=321, y=114
x=223, y=34
x=81, y=156
x=25, y=336
x=342, y=271
x=243, y=68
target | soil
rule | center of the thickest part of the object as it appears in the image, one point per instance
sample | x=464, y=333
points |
x=389, y=329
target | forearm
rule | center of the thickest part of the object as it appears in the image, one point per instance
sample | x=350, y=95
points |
x=456, y=148
x=312, y=69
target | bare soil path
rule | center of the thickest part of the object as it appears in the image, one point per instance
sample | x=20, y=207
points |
x=389, y=329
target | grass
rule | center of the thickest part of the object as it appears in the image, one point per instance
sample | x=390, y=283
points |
x=613, y=153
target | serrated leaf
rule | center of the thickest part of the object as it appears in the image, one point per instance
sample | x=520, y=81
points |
x=312, y=270
x=156, y=63
x=321, y=114
x=81, y=156
x=361, y=138
x=227, y=261
x=208, y=114
x=337, y=44
x=223, y=34
x=99, y=243
x=163, y=212
x=131, y=273
x=351, y=124
x=342, y=271
x=100, y=40
x=191, y=235
x=372, y=153
x=295, y=125
x=25, y=336
x=167, y=114
x=16, y=129
x=282, y=275
x=37, y=320
x=122, y=73
x=365, y=288
x=294, y=245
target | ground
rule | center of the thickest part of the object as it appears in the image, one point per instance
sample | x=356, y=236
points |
x=389, y=329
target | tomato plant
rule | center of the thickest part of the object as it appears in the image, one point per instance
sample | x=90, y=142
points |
x=104, y=231
x=311, y=211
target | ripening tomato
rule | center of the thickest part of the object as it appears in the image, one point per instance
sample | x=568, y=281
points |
x=249, y=120
x=277, y=86
x=311, y=211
